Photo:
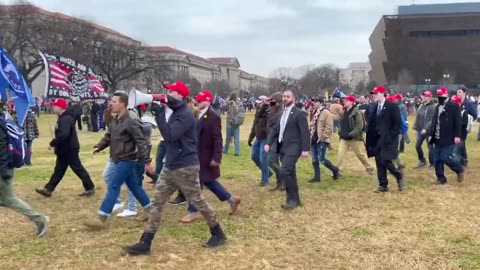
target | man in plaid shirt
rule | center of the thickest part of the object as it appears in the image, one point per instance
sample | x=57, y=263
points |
x=30, y=128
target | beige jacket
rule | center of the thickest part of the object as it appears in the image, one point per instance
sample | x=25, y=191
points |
x=336, y=110
x=325, y=126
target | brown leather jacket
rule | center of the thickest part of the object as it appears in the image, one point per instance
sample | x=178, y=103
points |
x=325, y=126
x=124, y=138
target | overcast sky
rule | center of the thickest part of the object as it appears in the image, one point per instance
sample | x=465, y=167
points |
x=263, y=34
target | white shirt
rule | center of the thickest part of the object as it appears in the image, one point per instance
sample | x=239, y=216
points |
x=168, y=113
x=202, y=112
x=380, y=107
x=283, y=121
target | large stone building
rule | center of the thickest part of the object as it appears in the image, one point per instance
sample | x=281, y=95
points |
x=179, y=64
x=434, y=44
x=354, y=74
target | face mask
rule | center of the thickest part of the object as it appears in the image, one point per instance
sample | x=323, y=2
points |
x=273, y=104
x=441, y=100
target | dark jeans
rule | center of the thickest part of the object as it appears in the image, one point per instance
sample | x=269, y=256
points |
x=216, y=188
x=418, y=146
x=445, y=155
x=94, y=121
x=318, y=155
x=260, y=158
x=274, y=163
x=79, y=122
x=288, y=174
x=28, y=155
x=382, y=167
x=463, y=153
x=161, y=153
x=61, y=166
x=401, y=147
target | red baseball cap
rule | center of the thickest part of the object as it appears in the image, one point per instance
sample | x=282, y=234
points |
x=399, y=96
x=457, y=99
x=204, y=95
x=379, y=89
x=59, y=102
x=391, y=98
x=427, y=94
x=442, y=91
x=350, y=98
x=178, y=87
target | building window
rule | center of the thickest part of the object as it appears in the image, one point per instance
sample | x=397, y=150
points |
x=445, y=33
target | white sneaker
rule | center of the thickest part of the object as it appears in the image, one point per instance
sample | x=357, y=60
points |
x=127, y=213
x=117, y=206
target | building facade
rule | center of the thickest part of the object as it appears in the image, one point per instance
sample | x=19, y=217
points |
x=434, y=44
x=354, y=74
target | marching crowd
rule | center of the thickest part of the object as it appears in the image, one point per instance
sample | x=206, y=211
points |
x=190, y=152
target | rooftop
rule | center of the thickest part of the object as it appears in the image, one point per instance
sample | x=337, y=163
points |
x=439, y=8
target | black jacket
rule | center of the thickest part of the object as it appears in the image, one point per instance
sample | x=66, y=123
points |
x=179, y=135
x=450, y=124
x=3, y=147
x=259, y=127
x=382, y=132
x=296, y=137
x=66, y=139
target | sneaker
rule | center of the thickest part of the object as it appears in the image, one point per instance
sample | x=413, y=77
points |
x=314, y=180
x=179, y=200
x=88, y=193
x=381, y=189
x=190, y=217
x=234, y=205
x=44, y=192
x=127, y=213
x=421, y=164
x=117, y=207
x=336, y=175
x=43, y=228
x=263, y=184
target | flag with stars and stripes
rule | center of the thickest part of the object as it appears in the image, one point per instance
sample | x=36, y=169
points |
x=66, y=78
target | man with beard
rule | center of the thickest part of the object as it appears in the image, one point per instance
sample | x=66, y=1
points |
x=259, y=132
x=293, y=140
x=66, y=147
x=181, y=169
x=444, y=133
x=273, y=119
x=382, y=138
x=209, y=134
x=423, y=122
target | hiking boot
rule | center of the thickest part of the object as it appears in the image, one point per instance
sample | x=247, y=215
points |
x=234, y=205
x=87, y=193
x=145, y=215
x=314, y=180
x=336, y=175
x=190, y=217
x=381, y=189
x=218, y=238
x=98, y=223
x=291, y=205
x=460, y=177
x=44, y=192
x=42, y=228
x=179, y=200
x=421, y=164
x=142, y=247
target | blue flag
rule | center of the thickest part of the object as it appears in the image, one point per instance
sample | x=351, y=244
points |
x=12, y=79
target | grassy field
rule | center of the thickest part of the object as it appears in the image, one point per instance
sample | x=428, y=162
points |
x=342, y=225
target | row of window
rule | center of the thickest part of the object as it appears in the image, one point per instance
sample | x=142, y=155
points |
x=445, y=33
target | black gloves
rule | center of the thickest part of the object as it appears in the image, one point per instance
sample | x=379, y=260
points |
x=157, y=109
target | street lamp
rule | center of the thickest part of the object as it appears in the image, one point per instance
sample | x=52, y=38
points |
x=427, y=81
x=445, y=77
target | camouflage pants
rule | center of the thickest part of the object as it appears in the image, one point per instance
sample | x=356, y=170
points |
x=187, y=180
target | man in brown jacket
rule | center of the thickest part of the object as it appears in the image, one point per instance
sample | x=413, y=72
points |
x=321, y=129
x=336, y=109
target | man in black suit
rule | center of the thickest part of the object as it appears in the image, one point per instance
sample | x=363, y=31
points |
x=383, y=129
x=293, y=138
x=444, y=133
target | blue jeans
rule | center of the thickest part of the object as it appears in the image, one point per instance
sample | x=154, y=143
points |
x=124, y=173
x=446, y=155
x=318, y=156
x=418, y=146
x=260, y=158
x=139, y=171
x=232, y=131
x=161, y=153
x=216, y=188
x=108, y=176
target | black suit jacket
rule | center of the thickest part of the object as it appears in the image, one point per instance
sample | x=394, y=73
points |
x=209, y=145
x=382, y=132
x=450, y=124
x=296, y=137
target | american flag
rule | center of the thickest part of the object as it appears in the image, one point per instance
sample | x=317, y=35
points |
x=68, y=78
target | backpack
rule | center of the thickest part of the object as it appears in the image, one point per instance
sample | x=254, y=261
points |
x=470, y=122
x=17, y=148
x=239, y=116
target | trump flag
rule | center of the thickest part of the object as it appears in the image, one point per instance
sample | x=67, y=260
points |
x=12, y=79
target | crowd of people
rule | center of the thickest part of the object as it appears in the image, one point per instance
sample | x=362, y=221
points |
x=189, y=155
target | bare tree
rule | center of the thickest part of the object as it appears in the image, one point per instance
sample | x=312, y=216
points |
x=319, y=79
x=360, y=88
x=275, y=85
x=219, y=87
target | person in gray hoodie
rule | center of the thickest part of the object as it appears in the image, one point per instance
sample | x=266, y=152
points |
x=423, y=123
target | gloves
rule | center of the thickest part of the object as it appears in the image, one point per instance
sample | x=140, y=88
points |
x=157, y=109
x=250, y=143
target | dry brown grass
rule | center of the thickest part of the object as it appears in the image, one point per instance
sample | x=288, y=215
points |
x=342, y=225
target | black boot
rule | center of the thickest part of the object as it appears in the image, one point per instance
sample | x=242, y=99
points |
x=314, y=180
x=218, y=238
x=142, y=247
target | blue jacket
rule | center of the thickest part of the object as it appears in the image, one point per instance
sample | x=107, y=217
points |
x=468, y=106
x=179, y=136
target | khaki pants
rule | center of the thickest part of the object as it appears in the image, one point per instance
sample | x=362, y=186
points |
x=358, y=148
x=185, y=179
